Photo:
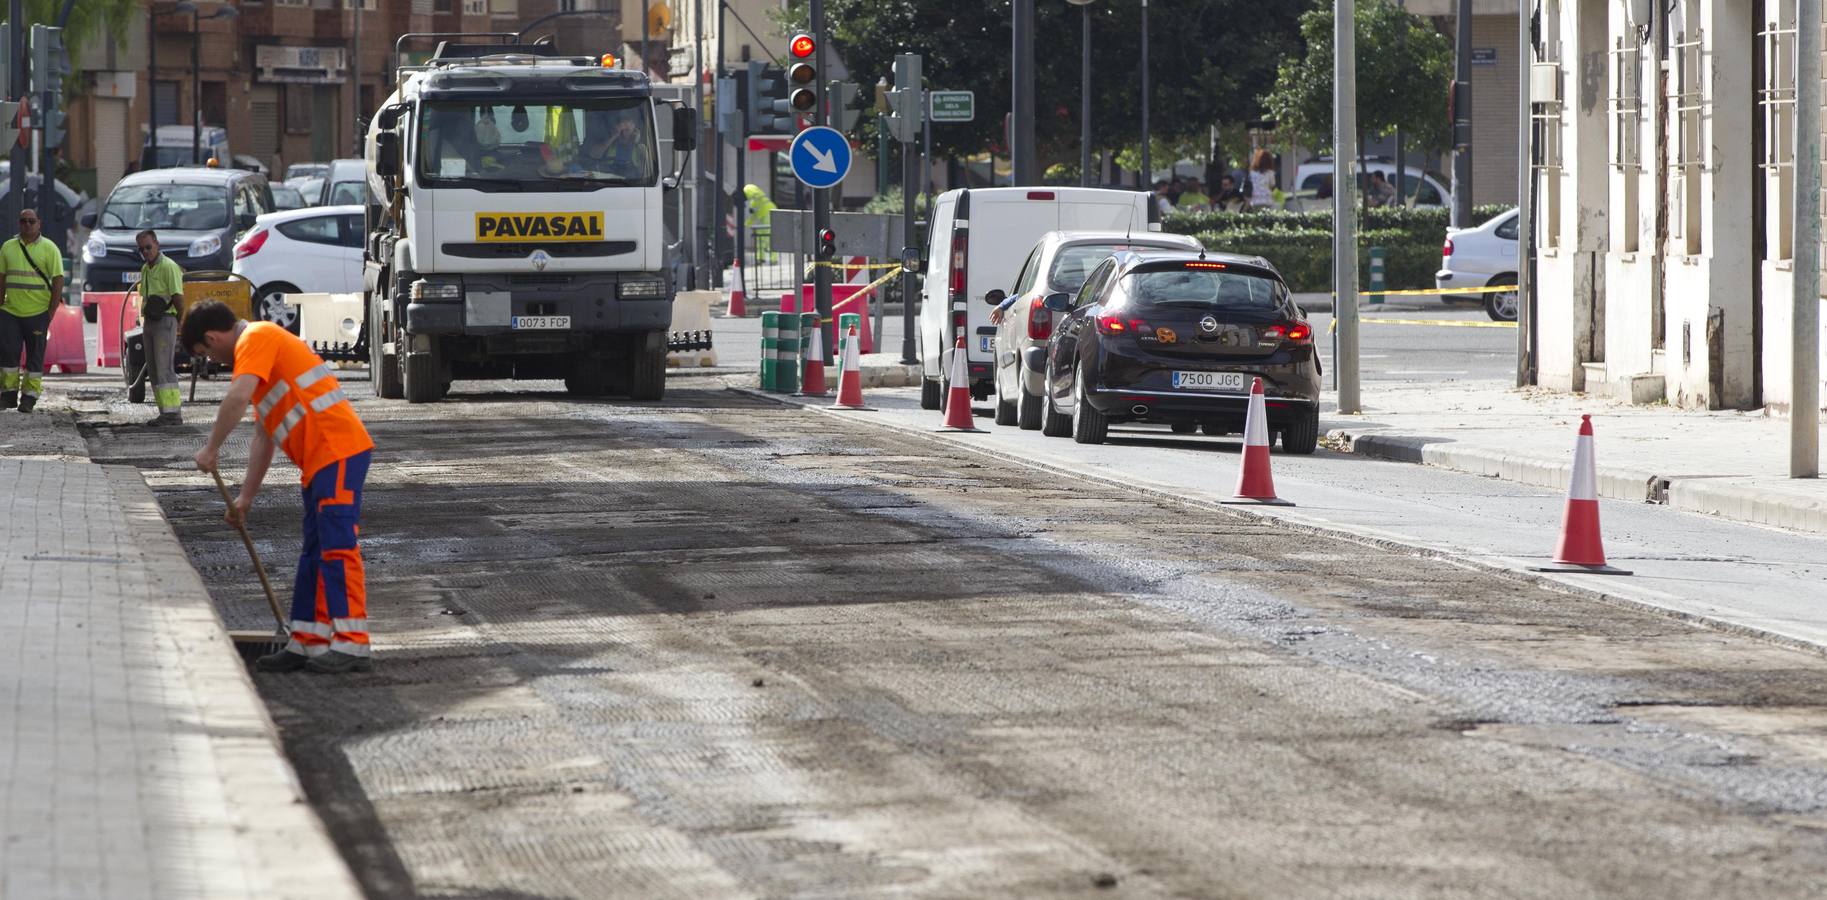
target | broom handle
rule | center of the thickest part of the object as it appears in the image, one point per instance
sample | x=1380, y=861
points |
x=259, y=569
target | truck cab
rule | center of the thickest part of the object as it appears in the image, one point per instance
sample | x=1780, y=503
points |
x=516, y=223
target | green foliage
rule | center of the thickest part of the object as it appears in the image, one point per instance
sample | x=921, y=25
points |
x=889, y=202
x=89, y=19
x=1300, y=244
x=1404, y=68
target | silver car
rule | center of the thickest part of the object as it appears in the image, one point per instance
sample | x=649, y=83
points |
x=1482, y=256
x=1059, y=263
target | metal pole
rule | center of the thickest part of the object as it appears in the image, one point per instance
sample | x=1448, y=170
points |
x=1021, y=131
x=1462, y=118
x=355, y=79
x=645, y=67
x=1148, y=173
x=1401, y=146
x=821, y=199
x=1525, y=198
x=1344, y=201
x=20, y=89
x=926, y=150
x=152, y=85
x=721, y=198
x=1805, y=360
x=699, y=219
x=1084, y=102
x=196, y=87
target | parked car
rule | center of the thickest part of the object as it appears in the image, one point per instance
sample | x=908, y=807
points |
x=296, y=171
x=1176, y=338
x=977, y=242
x=1482, y=256
x=347, y=182
x=1060, y=263
x=311, y=188
x=310, y=250
x=1313, y=184
x=197, y=212
x=174, y=146
x=287, y=197
x=252, y=164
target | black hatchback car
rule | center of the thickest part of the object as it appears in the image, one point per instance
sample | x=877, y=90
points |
x=1176, y=339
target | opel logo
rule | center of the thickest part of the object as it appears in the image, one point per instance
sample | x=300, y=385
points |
x=539, y=260
x=1208, y=324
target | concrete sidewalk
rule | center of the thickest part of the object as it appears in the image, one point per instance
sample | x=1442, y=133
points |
x=136, y=759
x=1729, y=463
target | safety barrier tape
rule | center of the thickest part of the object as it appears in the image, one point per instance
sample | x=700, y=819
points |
x=864, y=291
x=854, y=267
x=1444, y=323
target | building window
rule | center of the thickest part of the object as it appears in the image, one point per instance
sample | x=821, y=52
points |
x=1689, y=107
x=442, y=6
x=1626, y=104
x=504, y=7
x=1776, y=96
x=475, y=7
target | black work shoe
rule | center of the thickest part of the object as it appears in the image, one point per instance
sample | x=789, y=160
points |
x=337, y=662
x=166, y=418
x=283, y=661
x=9, y=400
x=27, y=402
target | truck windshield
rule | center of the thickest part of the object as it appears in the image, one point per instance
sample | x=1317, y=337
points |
x=574, y=141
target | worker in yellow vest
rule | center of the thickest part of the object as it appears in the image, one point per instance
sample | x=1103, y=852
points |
x=161, y=292
x=31, y=276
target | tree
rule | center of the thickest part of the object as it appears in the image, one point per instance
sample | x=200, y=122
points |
x=89, y=19
x=1404, y=68
x=1211, y=60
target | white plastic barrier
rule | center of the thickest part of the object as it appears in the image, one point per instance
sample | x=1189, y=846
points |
x=691, y=312
x=328, y=318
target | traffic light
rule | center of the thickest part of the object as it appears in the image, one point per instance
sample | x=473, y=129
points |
x=9, y=124
x=768, y=107
x=53, y=127
x=904, y=106
x=827, y=243
x=6, y=62
x=50, y=62
x=844, y=111
x=802, y=77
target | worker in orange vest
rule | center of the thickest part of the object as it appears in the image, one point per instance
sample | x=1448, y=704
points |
x=300, y=409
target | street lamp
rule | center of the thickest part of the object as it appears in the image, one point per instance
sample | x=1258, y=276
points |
x=1084, y=90
x=196, y=68
x=1148, y=175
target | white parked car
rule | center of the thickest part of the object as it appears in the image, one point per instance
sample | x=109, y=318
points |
x=1058, y=264
x=1482, y=256
x=1313, y=184
x=317, y=249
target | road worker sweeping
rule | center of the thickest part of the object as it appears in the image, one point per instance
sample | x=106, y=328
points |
x=300, y=409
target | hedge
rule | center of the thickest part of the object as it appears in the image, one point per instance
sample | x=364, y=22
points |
x=1300, y=244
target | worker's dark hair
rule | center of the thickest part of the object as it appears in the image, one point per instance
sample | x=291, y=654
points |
x=210, y=315
x=147, y=233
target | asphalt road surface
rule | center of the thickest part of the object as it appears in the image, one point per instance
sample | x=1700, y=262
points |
x=719, y=647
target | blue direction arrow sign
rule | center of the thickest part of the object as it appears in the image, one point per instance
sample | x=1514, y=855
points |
x=820, y=157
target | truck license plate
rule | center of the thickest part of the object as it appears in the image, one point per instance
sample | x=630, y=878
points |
x=541, y=323
x=1223, y=382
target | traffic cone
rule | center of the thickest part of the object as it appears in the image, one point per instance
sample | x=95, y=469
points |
x=958, y=401
x=1255, y=484
x=812, y=381
x=1581, y=548
x=850, y=383
x=738, y=307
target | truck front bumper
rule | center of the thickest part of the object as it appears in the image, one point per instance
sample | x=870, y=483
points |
x=492, y=303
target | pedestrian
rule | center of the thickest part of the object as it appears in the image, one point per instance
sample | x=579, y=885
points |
x=1381, y=192
x=300, y=409
x=1193, y=199
x=31, y=274
x=1162, y=201
x=1262, y=179
x=161, y=292
x=1229, y=198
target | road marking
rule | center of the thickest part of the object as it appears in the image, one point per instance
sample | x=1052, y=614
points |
x=1426, y=372
x=1445, y=323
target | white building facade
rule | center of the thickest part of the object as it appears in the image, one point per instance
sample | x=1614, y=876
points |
x=1664, y=185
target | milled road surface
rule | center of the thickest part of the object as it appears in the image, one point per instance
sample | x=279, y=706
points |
x=715, y=647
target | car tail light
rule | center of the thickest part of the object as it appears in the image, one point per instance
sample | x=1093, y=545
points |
x=960, y=321
x=961, y=240
x=1297, y=332
x=251, y=244
x=1446, y=249
x=1112, y=324
x=1040, y=322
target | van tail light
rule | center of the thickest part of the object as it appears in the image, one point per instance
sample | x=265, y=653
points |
x=1293, y=332
x=251, y=244
x=961, y=239
x=1040, y=322
x=1446, y=249
x=960, y=321
x=1115, y=325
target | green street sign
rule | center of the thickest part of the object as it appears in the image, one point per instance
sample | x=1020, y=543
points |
x=952, y=106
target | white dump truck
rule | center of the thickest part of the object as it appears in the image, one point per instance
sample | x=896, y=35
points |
x=516, y=226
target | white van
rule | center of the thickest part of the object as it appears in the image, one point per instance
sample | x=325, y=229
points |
x=976, y=243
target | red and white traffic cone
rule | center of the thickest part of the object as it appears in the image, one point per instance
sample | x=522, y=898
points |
x=850, y=383
x=958, y=400
x=812, y=377
x=1582, y=549
x=1255, y=484
x=738, y=307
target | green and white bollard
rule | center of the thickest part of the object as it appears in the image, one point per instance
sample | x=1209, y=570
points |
x=845, y=322
x=770, y=350
x=786, y=367
x=1378, y=285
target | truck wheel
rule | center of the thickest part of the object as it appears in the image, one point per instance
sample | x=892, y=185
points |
x=421, y=377
x=647, y=373
x=589, y=378
x=383, y=367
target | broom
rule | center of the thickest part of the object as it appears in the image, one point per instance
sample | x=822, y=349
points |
x=254, y=644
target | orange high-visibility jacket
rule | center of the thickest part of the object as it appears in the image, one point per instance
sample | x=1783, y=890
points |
x=298, y=400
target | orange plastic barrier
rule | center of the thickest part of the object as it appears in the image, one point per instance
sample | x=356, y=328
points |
x=63, y=347
x=108, y=324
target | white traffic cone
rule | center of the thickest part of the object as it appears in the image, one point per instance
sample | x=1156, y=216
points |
x=1581, y=547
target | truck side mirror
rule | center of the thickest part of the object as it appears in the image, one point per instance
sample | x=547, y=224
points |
x=387, y=154
x=684, y=129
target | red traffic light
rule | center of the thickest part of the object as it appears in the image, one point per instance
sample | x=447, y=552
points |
x=802, y=46
x=827, y=235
